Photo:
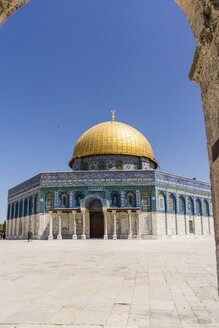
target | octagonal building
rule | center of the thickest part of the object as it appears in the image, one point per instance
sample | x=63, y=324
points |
x=113, y=192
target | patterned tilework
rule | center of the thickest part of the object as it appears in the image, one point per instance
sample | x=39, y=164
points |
x=24, y=186
x=176, y=181
x=137, y=198
x=71, y=199
x=103, y=183
x=56, y=199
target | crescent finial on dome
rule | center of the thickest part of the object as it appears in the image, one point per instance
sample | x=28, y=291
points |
x=113, y=116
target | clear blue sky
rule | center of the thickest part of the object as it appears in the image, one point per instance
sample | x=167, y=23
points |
x=66, y=64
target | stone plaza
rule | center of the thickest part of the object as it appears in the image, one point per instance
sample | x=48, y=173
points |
x=108, y=283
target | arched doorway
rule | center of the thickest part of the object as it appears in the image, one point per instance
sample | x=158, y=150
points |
x=96, y=218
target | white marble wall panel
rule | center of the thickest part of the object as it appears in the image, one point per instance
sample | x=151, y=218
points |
x=55, y=222
x=147, y=224
x=161, y=224
x=124, y=224
x=65, y=223
x=70, y=223
x=134, y=226
x=189, y=218
x=171, y=223
x=79, y=224
x=211, y=225
x=181, y=222
x=205, y=224
x=198, y=225
x=150, y=224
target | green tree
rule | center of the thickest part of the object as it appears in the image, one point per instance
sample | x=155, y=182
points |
x=2, y=228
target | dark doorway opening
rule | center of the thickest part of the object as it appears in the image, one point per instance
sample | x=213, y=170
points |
x=96, y=225
x=94, y=206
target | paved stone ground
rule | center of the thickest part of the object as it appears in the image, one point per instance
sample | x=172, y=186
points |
x=99, y=283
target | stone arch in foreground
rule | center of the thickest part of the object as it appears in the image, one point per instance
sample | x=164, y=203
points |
x=203, y=16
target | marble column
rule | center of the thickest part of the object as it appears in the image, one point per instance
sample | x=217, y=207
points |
x=138, y=225
x=83, y=236
x=59, y=236
x=114, y=225
x=130, y=224
x=105, y=225
x=74, y=236
x=50, y=226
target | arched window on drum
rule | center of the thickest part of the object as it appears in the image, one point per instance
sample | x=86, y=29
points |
x=115, y=199
x=49, y=200
x=130, y=199
x=64, y=200
x=146, y=201
x=205, y=208
x=78, y=196
x=182, y=205
x=198, y=207
x=162, y=206
x=172, y=202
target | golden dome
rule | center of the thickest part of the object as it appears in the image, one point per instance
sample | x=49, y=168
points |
x=112, y=138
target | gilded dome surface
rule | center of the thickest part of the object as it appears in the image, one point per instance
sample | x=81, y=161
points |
x=112, y=138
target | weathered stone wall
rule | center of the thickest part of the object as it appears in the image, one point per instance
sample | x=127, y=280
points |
x=203, y=18
x=205, y=70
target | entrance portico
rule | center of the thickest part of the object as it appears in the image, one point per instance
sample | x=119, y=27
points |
x=93, y=220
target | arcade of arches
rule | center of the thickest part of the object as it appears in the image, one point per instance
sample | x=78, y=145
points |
x=203, y=18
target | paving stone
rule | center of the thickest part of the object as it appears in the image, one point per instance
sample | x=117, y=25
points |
x=98, y=283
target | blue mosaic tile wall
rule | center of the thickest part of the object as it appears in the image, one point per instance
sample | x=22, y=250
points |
x=103, y=184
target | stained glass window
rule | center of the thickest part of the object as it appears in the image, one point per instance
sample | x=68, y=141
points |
x=182, y=204
x=161, y=202
x=205, y=208
x=49, y=200
x=198, y=206
x=172, y=203
x=190, y=205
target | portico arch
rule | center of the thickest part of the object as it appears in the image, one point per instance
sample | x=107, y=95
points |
x=203, y=18
x=86, y=201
